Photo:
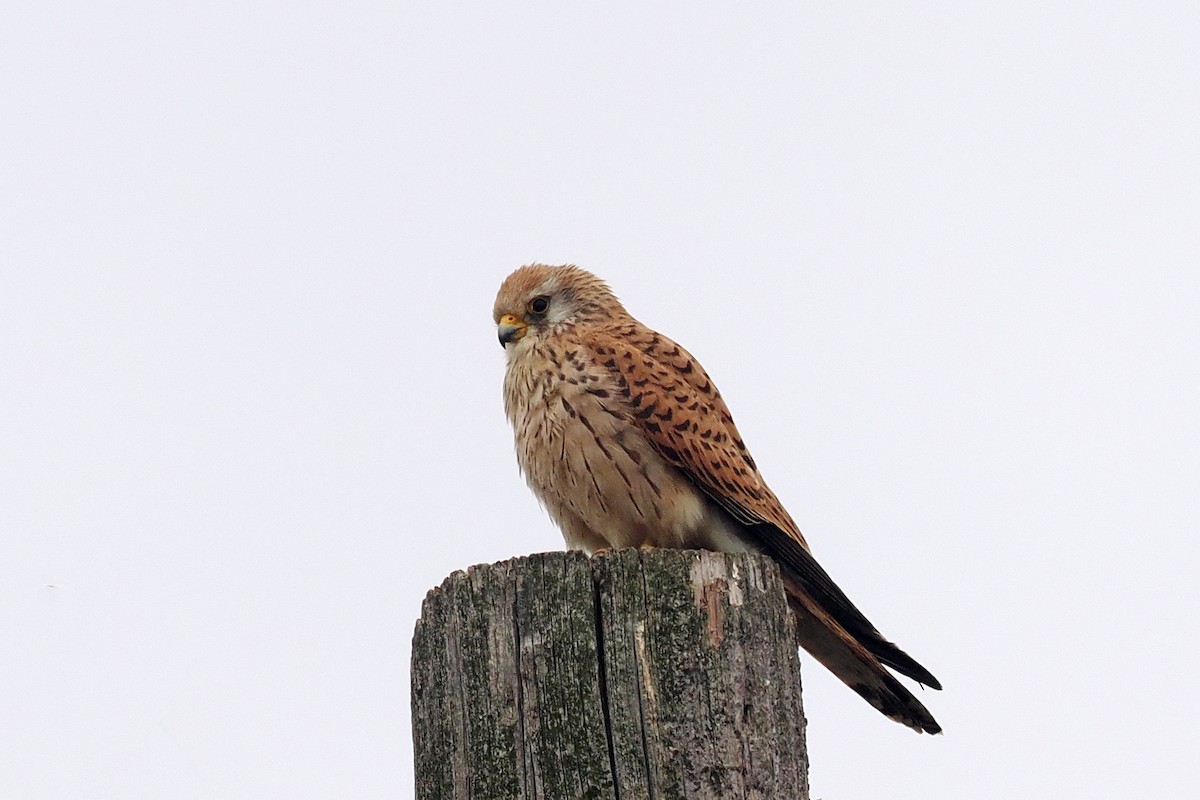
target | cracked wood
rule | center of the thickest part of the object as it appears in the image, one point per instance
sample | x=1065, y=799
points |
x=636, y=674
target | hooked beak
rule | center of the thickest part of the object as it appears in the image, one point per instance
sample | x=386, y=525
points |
x=510, y=329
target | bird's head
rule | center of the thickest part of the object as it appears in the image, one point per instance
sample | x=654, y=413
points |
x=537, y=299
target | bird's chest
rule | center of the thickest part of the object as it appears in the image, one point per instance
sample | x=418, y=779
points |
x=594, y=470
x=544, y=408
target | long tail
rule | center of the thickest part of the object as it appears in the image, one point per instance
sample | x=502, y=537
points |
x=828, y=642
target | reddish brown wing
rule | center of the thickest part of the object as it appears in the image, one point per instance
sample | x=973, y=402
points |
x=670, y=397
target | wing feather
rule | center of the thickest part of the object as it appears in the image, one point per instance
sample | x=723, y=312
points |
x=671, y=399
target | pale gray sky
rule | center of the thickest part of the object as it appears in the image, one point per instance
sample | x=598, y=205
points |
x=943, y=260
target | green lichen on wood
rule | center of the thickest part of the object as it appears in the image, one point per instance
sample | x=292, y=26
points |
x=566, y=751
x=635, y=674
x=701, y=646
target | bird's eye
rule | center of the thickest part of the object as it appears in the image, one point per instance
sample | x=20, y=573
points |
x=538, y=305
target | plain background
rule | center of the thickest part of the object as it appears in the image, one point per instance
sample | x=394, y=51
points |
x=941, y=258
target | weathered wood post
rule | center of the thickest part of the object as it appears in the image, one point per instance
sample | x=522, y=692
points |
x=636, y=674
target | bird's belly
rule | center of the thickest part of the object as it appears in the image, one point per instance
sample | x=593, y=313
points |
x=600, y=479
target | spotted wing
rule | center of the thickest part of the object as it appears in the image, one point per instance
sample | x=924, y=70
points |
x=670, y=397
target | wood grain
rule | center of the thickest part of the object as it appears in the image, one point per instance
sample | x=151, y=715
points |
x=635, y=674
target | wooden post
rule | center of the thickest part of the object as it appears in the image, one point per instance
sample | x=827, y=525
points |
x=636, y=674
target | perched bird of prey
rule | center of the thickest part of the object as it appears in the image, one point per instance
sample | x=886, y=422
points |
x=627, y=442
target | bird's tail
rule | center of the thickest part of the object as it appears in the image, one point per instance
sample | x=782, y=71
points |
x=828, y=642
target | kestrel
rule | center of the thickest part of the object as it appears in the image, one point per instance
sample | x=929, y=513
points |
x=626, y=441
